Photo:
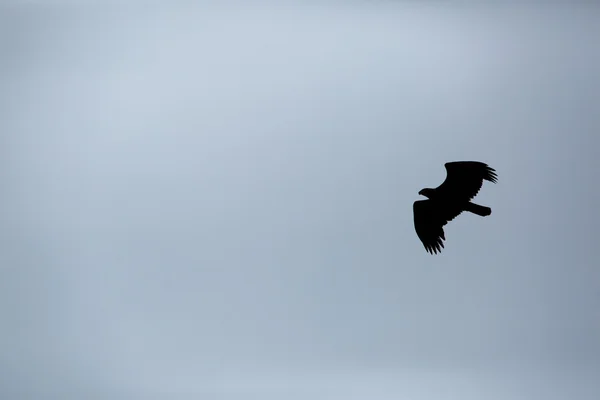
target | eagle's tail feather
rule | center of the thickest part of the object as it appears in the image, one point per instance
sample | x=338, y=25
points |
x=479, y=210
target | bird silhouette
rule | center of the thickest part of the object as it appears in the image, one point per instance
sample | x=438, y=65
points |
x=463, y=181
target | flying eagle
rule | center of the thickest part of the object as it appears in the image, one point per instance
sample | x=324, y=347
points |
x=447, y=201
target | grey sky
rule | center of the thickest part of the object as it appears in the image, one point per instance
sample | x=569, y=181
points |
x=199, y=200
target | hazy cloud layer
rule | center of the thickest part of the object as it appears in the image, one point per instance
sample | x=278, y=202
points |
x=202, y=200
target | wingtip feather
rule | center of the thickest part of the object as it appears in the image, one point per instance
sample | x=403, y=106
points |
x=490, y=174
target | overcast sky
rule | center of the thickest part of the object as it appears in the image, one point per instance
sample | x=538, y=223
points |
x=218, y=202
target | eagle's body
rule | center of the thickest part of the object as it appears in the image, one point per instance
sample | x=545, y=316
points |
x=463, y=181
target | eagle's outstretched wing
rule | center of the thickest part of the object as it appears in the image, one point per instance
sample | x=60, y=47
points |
x=430, y=217
x=464, y=179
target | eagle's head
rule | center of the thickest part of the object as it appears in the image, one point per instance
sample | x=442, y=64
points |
x=429, y=193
